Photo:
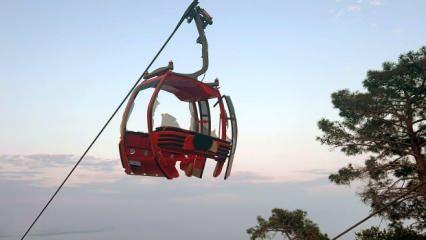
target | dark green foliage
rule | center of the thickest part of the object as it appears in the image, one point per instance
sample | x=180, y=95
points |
x=397, y=232
x=345, y=175
x=387, y=123
x=291, y=224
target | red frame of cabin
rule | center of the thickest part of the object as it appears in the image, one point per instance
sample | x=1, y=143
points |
x=156, y=152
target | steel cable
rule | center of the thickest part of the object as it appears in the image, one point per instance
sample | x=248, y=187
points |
x=187, y=11
x=380, y=210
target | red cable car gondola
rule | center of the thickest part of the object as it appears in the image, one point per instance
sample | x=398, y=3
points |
x=156, y=152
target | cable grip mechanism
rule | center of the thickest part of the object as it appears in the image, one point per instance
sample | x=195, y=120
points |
x=202, y=19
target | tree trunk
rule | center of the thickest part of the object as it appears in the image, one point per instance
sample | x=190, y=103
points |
x=416, y=148
x=288, y=235
x=421, y=170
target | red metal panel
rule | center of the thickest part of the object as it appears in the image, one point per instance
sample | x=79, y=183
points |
x=188, y=89
x=156, y=153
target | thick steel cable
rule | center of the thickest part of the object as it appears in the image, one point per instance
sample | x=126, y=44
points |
x=380, y=210
x=190, y=7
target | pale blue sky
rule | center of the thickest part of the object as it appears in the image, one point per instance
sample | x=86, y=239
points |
x=64, y=67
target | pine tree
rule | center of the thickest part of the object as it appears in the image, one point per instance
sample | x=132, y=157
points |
x=387, y=124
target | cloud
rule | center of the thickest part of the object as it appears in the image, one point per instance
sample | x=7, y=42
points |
x=375, y=2
x=397, y=31
x=250, y=177
x=319, y=172
x=49, y=169
x=353, y=6
x=58, y=233
x=285, y=176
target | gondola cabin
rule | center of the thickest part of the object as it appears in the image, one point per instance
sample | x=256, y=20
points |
x=157, y=151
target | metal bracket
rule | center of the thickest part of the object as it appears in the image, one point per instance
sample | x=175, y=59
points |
x=202, y=19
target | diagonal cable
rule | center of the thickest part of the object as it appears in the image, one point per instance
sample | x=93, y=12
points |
x=190, y=7
x=380, y=210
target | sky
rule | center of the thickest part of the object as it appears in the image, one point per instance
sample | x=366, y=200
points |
x=65, y=66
